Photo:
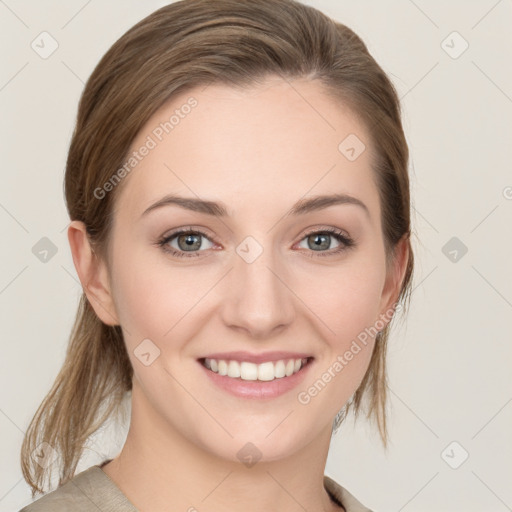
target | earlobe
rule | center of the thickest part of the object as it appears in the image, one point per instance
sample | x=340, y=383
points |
x=92, y=272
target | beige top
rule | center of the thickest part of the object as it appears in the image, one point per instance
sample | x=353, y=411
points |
x=92, y=490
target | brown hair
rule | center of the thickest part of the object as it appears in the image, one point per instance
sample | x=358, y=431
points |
x=182, y=45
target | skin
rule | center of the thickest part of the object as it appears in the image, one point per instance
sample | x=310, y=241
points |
x=258, y=151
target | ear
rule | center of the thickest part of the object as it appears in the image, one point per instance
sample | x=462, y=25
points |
x=394, y=279
x=92, y=272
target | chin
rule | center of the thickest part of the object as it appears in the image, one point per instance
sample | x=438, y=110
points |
x=260, y=444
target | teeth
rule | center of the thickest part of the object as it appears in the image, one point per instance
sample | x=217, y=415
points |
x=251, y=371
x=266, y=371
x=248, y=371
x=279, y=370
x=233, y=369
x=223, y=367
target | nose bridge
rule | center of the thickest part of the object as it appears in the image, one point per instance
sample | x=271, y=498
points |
x=258, y=299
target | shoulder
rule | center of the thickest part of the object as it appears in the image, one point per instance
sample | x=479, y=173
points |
x=343, y=497
x=90, y=490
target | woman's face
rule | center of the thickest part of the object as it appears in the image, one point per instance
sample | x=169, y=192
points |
x=260, y=277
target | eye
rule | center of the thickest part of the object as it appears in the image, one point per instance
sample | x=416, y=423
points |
x=317, y=241
x=187, y=242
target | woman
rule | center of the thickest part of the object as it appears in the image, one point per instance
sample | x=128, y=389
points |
x=238, y=190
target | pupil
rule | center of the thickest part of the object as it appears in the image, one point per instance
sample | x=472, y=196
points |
x=318, y=239
x=191, y=242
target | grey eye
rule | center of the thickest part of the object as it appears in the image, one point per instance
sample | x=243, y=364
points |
x=318, y=241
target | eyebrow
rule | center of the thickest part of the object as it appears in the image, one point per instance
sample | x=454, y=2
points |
x=218, y=209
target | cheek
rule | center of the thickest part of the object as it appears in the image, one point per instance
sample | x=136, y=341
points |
x=349, y=305
x=345, y=299
x=154, y=300
x=157, y=299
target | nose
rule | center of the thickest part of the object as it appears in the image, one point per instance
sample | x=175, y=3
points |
x=257, y=298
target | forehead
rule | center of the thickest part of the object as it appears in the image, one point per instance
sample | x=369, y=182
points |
x=250, y=147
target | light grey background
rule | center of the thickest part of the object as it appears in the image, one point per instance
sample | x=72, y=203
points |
x=449, y=364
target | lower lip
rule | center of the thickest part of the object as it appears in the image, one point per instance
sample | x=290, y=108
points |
x=257, y=389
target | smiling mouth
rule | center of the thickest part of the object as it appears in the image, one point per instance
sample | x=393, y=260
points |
x=244, y=370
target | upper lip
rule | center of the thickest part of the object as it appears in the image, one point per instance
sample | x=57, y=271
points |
x=257, y=358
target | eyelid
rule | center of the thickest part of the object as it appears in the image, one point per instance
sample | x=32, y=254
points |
x=345, y=240
x=324, y=229
x=165, y=239
x=190, y=229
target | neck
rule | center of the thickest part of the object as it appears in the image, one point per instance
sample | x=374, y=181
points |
x=162, y=470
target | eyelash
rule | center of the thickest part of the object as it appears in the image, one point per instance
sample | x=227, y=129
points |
x=345, y=241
